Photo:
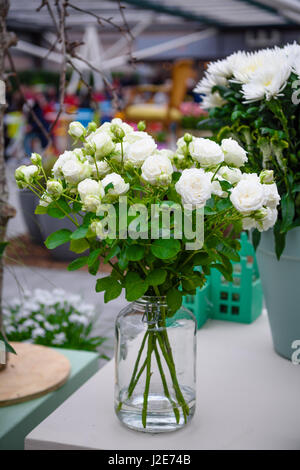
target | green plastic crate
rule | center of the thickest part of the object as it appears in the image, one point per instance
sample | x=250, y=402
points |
x=239, y=301
x=199, y=304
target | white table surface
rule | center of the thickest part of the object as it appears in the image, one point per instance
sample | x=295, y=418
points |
x=247, y=398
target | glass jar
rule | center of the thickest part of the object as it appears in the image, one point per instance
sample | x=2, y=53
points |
x=155, y=360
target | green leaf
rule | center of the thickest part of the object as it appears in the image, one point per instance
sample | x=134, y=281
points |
x=228, y=251
x=156, y=277
x=135, y=286
x=79, y=246
x=40, y=210
x=256, y=236
x=78, y=263
x=199, y=259
x=165, y=248
x=288, y=212
x=3, y=245
x=135, y=252
x=93, y=256
x=112, y=253
x=93, y=269
x=111, y=287
x=58, y=209
x=223, y=270
x=76, y=207
x=80, y=232
x=8, y=347
x=174, y=299
x=58, y=238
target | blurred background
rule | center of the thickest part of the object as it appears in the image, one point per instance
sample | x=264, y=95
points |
x=138, y=60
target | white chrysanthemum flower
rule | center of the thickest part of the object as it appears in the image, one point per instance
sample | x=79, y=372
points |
x=137, y=147
x=194, y=187
x=205, y=151
x=271, y=195
x=233, y=175
x=91, y=192
x=157, y=170
x=267, y=83
x=213, y=100
x=119, y=185
x=234, y=154
x=248, y=195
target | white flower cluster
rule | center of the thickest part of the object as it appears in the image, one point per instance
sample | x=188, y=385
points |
x=98, y=172
x=47, y=317
x=262, y=74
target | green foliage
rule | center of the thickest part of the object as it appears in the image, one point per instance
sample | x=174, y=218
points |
x=58, y=238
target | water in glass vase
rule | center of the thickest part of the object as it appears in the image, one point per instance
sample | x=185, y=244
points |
x=155, y=366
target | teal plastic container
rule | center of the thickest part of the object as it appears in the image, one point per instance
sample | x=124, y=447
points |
x=239, y=301
x=199, y=304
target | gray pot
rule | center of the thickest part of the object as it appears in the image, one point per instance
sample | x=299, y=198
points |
x=50, y=225
x=281, y=286
x=28, y=203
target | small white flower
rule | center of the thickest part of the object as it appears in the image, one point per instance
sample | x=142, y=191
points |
x=101, y=143
x=234, y=154
x=138, y=146
x=267, y=177
x=271, y=195
x=102, y=168
x=76, y=129
x=119, y=185
x=38, y=332
x=74, y=171
x=194, y=187
x=205, y=151
x=59, y=338
x=157, y=169
x=233, y=175
x=26, y=174
x=54, y=187
x=91, y=192
x=36, y=159
x=248, y=195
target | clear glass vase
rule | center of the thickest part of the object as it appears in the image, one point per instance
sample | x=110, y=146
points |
x=155, y=366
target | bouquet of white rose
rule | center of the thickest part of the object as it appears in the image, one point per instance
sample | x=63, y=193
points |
x=253, y=97
x=129, y=202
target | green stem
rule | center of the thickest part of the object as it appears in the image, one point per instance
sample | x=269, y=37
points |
x=148, y=377
x=136, y=365
x=165, y=385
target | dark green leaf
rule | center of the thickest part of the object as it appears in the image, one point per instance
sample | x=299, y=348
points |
x=58, y=238
x=135, y=286
x=78, y=263
x=93, y=256
x=256, y=236
x=288, y=212
x=8, y=347
x=165, y=248
x=135, y=252
x=112, y=253
x=156, y=277
x=174, y=299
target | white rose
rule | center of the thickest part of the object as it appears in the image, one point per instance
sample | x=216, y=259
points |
x=268, y=220
x=91, y=192
x=26, y=174
x=182, y=146
x=126, y=127
x=233, y=175
x=75, y=171
x=138, y=146
x=206, y=152
x=119, y=185
x=45, y=200
x=102, y=167
x=62, y=159
x=54, y=187
x=97, y=228
x=157, y=169
x=248, y=195
x=234, y=154
x=248, y=223
x=101, y=143
x=267, y=176
x=36, y=159
x=165, y=153
x=76, y=129
x=271, y=194
x=194, y=187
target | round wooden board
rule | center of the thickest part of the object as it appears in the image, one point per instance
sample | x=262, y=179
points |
x=33, y=372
